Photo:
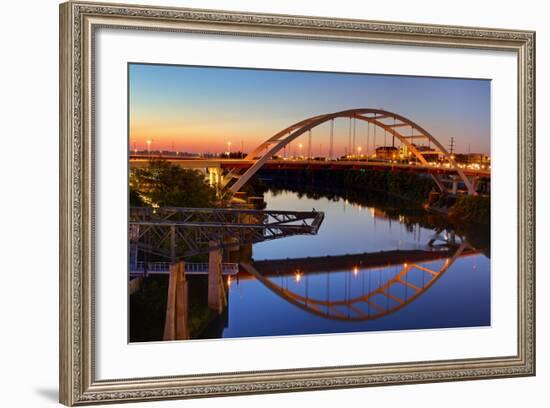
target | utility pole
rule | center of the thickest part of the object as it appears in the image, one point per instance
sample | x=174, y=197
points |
x=452, y=146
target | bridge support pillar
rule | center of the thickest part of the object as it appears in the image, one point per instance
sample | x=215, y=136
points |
x=176, y=325
x=455, y=186
x=475, y=183
x=215, y=178
x=216, y=294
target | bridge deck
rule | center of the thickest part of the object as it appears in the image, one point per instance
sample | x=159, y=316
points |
x=141, y=161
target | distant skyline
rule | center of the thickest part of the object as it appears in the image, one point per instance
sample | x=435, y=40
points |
x=202, y=109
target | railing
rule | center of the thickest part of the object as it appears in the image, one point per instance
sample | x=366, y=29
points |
x=191, y=268
x=202, y=268
x=152, y=267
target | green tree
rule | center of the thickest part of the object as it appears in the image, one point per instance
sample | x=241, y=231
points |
x=168, y=185
x=135, y=198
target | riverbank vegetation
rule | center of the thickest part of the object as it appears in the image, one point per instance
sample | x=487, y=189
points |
x=409, y=187
x=471, y=208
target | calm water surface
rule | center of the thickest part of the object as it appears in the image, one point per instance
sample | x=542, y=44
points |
x=459, y=297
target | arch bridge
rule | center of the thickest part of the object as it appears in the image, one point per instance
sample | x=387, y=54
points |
x=407, y=132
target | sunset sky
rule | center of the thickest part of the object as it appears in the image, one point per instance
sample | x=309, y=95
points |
x=200, y=109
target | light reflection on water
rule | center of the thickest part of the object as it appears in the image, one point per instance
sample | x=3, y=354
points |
x=301, y=301
x=347, y=228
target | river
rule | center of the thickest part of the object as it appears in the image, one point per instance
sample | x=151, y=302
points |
x=438, y=288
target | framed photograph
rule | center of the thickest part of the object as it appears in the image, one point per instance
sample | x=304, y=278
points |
x=256, y=203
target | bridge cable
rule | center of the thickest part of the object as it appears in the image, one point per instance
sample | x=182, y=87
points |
x=349, y=137
x=374, y=142
x=331, y=145
x=412, y=142
x=368, y=136
x=393, y=134
x=354, y=126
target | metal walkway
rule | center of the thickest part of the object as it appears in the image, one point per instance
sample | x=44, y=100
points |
x=191, y=268
x=176, y=233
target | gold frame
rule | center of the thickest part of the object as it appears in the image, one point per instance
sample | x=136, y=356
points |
x=78, y=21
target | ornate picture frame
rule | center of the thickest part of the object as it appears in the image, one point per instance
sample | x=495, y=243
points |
x=78, y=24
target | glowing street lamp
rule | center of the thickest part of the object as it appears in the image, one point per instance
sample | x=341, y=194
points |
x=229, y=147
x=300, y=147
x=149, y=141
x=359, y=150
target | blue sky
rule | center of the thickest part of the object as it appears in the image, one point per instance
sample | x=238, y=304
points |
x=203, y=108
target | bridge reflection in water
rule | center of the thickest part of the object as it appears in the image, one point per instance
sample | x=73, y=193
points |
x=378, y=299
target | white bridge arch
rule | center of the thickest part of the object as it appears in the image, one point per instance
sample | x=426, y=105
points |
x=277, y=142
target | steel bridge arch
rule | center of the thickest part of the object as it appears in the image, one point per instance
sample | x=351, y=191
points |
x=328, y=309
x=281, y=139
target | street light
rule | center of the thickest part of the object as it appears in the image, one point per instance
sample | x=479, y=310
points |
x=149, y=141
x=229, y=147
x=300, y=147
x=359, y=151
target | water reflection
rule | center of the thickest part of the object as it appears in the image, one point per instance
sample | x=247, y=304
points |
x=370, y=267
x=392, y=289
